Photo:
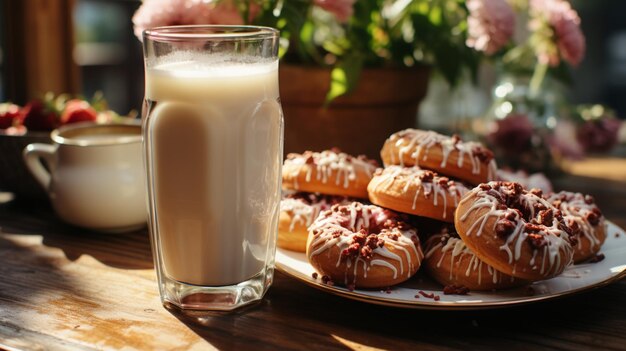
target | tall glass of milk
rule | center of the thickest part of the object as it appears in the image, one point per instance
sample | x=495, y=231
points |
x=213, y=140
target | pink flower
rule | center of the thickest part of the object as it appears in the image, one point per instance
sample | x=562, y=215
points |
x=512, y=134
x=342, y=9
x=490, y=24
x=155, y=13
x=565, y=23
x=599, y=135
x=564, y=141
x=225, y=12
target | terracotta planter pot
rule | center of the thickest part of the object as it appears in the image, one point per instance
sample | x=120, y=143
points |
x=385, y=101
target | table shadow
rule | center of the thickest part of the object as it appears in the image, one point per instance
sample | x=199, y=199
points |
x=32, y=274
x=295, y=316
x=124, y=250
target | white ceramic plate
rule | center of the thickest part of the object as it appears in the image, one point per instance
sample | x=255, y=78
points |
x=575, y=279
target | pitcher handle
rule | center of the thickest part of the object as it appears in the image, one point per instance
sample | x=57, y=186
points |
x=33, y=155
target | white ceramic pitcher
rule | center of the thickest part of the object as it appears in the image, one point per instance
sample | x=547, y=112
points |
x=95, y=176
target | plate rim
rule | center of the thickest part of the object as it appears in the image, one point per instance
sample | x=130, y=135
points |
x=448, y=305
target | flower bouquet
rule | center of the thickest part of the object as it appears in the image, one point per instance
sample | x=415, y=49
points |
x=348, y=64
x=530, y=124
x=344, y=35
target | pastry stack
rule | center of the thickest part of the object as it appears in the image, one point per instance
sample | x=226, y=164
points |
x=436, y=204
x=314, y=182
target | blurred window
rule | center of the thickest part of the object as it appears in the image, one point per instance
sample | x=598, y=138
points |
x=107, y=52
x=3, y=96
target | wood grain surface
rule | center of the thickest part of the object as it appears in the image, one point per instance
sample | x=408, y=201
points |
x=64, y=288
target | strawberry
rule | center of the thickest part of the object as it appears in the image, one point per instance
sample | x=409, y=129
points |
x=10, y=115
x=15, y=130
x=40, y=115
x=78, y=111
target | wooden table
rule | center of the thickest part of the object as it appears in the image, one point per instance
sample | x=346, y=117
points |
x=63, y=288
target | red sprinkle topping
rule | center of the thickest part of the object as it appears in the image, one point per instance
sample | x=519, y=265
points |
x=597, y=258
x=483, y=154
x=504, y=228
x=429, y=295
x=454, y=289
x=594, y=216
x=309, y=160
x=536, y=240
x=427, y=176
x=423, y=293
x=546, y=217
x=484, y=186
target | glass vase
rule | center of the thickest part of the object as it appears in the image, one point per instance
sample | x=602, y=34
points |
x=520, y=123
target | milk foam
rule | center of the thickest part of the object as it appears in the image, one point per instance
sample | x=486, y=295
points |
x=189, y=64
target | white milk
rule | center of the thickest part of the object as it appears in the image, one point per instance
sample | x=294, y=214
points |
x=216, y=130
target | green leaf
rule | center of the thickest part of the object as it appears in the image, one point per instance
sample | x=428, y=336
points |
x=562, y=73
x=435, y=16
x=288, y=16
x=338, y=84
x=334, y=48
x=307, y=45
x=344, y=77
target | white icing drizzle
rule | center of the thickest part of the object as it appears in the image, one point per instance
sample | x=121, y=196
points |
x=412, y=176
x=337, y=228
x=444, y=243
x=576, y=209
x=325, y=163
x=419, y=142
x=555, y=238
x=304, y=213
x=385, y=264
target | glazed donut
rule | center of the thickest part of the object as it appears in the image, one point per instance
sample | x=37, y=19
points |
x=585, y=218
x=450, y=262
x=328, y=172
x=515, y=231
x=363, y=246
x=297, y=212
x=468, y=161
x=416, y=191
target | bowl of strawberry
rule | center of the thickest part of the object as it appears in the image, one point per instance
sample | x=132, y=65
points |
x=32, y=123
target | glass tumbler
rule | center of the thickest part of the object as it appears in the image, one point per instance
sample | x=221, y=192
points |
x=213, y=143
